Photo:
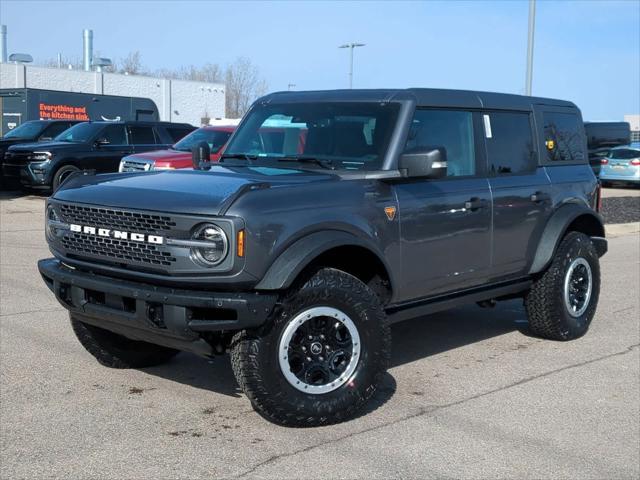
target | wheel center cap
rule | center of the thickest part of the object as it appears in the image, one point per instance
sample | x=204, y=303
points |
x=316, y=348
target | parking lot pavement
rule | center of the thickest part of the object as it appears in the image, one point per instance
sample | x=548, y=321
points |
x=469, y=395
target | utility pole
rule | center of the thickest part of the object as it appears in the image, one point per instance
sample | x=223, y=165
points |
x=532, y=27
x=351, y=46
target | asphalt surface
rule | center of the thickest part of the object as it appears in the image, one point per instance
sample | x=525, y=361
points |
x=469, y=395
x=621, y=209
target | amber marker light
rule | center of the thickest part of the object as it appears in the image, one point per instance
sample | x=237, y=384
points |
x=240, y=243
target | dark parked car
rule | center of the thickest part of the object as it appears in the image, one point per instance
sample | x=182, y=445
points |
x=95, y=146
x=29, y=132
x=401, y=203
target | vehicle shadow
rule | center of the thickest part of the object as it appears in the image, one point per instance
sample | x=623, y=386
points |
x=412, y=340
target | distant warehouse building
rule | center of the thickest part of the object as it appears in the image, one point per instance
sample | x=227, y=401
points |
x=176, y=100
x=634, y=124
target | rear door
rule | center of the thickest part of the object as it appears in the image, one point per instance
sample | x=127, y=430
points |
x=445, y=223
x=521, y=190
x=142, y=138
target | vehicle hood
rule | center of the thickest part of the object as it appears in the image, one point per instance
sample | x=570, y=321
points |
x=42, y=146
x=7, y=142
x=183, y=191
x=168, y=154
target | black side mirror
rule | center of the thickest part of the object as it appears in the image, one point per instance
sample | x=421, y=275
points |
x=424, y=163
x=101, y=142
x=201, y=156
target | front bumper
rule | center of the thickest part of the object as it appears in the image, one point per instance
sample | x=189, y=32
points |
x=162, y=315
x=26, y=174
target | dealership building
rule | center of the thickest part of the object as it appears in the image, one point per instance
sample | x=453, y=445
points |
x=177, y=100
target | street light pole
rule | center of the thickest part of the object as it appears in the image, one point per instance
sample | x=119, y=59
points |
x=532, y=27
x=351, y=46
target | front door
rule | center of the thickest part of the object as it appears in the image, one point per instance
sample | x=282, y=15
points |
x=105, y=157
x=445, y=223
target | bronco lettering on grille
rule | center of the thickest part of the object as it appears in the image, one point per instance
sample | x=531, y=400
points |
x=117, y=234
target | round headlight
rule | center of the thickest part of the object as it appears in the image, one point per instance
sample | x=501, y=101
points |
x=214, y=247
x=51, y=216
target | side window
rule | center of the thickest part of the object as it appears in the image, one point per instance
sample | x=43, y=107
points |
x=563, y=137
x=448, y=129
x=141, y=135
x=509, y=143
x=54, y=130
x=115, y=135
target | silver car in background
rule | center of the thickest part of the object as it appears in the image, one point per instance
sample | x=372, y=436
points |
x=622, y=164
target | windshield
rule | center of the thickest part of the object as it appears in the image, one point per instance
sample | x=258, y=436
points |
x=80, y=133
x=352, y=136
x=26, y=130
x=624, y=154
x=215, y=138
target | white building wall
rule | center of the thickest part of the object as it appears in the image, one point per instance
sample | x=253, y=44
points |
x=177, y=100
x=59, y=79
x=193, y=101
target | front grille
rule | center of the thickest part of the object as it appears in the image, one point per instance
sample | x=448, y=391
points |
x=17, y=158
x=130, y=165
x=116, y=219
x=123, y=250
x=117, y=250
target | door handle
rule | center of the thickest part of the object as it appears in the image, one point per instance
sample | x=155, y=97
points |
x=539, y=197
x=474, y=204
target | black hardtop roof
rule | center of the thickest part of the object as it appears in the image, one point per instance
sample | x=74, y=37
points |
x=432, y=97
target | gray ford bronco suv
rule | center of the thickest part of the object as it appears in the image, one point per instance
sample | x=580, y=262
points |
x=331, y=215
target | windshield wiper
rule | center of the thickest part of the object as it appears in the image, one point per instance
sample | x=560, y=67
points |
x=324, y=163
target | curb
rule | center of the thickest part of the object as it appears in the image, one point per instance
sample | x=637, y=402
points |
x=621, y=229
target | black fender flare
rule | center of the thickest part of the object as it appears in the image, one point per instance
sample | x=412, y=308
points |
x=557, y=226
x=288, y=265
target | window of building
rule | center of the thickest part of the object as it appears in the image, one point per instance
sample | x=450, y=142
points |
x=451, y=130
x=510, y=144
x=563, y=138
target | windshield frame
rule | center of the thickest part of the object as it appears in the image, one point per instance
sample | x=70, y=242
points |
x=388, y=148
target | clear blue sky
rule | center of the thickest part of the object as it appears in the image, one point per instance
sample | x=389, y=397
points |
x=585, y=51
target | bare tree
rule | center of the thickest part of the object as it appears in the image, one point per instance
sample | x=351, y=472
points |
x=243, y=85
x=132, y=64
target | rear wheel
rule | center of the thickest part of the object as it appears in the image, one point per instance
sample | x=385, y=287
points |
x=320, y=359
x=563, y=301
x=115, y=351
x=62, y=174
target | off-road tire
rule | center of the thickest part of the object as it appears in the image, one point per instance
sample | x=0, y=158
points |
x=255, y=363
x=548, y=315
x=61, y=174
x=115, y=351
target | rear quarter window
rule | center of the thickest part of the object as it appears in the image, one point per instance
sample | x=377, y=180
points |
x=564, y=138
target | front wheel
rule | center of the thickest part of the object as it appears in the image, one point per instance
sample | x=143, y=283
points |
x=320, y=358
x=62, y=174
x=563, y=301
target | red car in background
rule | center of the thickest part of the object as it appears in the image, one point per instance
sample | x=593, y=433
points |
x=179, y=156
